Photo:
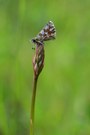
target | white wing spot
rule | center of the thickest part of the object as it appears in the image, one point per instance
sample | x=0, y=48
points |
x=46, y=27
x=51, y=29
x=42, y=32
x=46, y=33
x=38, y=36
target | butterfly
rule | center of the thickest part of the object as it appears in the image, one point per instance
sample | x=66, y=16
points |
x=47, y=33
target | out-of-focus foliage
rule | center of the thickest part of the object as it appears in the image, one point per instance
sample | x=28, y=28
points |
x=63, y=95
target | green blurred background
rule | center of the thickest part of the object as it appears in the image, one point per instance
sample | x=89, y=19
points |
x=63, y=93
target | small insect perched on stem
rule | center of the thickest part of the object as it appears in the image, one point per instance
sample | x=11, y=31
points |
x=47, y=33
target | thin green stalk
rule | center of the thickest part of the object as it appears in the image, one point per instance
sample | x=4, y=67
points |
x=33, y=106
x=38, y=63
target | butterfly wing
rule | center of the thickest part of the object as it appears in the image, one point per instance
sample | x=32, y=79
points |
x=47, y=33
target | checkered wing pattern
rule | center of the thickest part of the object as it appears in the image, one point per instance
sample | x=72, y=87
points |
x=47, y=33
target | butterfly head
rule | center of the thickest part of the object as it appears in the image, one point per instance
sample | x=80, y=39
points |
x=36, y=41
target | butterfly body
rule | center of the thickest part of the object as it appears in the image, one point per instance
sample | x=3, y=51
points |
x=47, y=33
x=36, y=41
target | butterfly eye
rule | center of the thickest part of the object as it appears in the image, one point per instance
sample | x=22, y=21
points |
x=33, y=40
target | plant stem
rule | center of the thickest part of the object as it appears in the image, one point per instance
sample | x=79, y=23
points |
x=33, y=105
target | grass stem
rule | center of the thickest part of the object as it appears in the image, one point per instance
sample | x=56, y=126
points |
x=33, y=106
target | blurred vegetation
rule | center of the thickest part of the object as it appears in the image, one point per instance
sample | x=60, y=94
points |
x=63, y=95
